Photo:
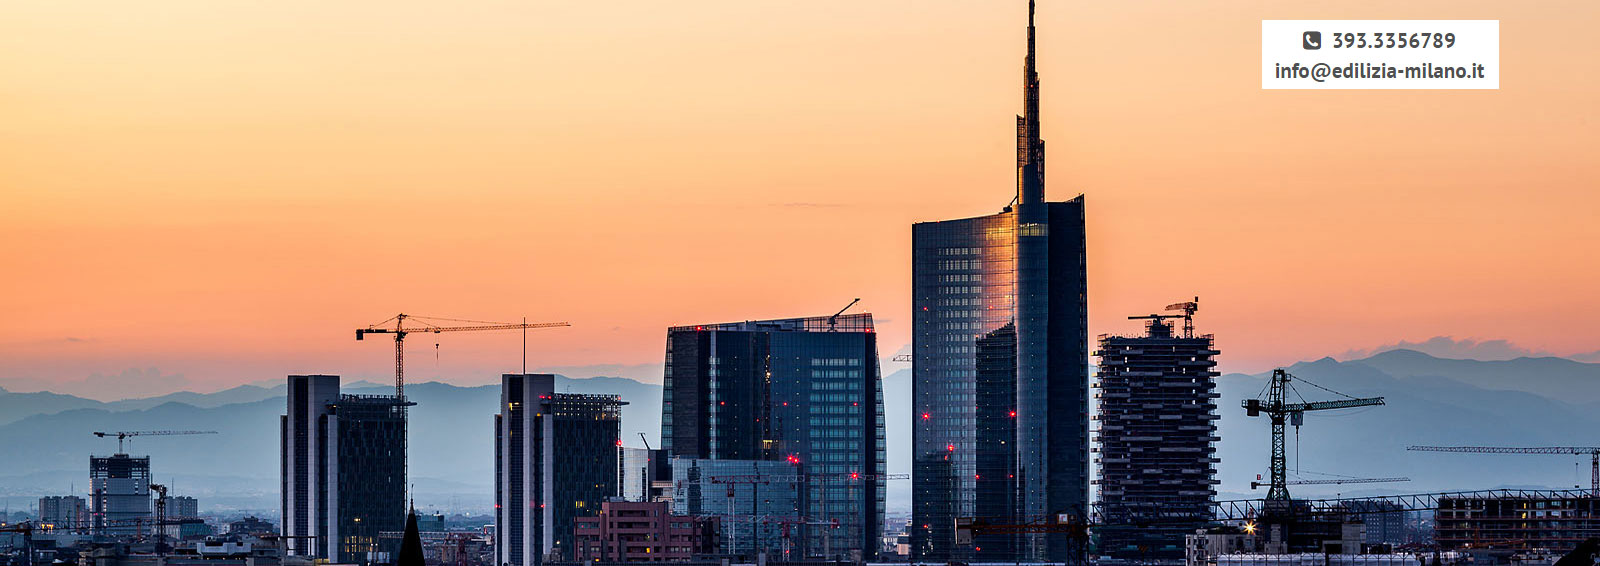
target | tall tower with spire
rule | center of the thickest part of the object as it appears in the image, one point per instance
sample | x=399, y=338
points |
x=1000, y=387
x=1030, y=148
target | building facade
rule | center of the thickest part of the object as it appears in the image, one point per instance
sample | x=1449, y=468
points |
x=1516, y=520
x=343, y=473
x=1000, y=367
x=120, y=493
x=183, y=507
x=642, y=531
x=1156, y=440
x=65, y=510
x=556, y=459
x=803, y=392
x=755, y=501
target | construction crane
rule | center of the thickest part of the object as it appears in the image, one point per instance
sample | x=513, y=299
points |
x=1593, y=452
x=400, y=330
x=1283, y=412
x=1187, y=308
x=124, y=435
x=833, y=321
x=1336, y=481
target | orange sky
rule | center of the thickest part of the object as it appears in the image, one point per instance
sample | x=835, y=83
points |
x=226, y=189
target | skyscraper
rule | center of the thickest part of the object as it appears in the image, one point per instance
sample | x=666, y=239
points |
x=555, y=460
x=804, y=392
x=343, y=469
x=1158, y=414
x=1000, y=365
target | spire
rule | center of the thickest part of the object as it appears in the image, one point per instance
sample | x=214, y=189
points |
x=1030, y=149
x=411, y=542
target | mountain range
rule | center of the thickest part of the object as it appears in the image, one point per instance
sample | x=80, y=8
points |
x=45, y=437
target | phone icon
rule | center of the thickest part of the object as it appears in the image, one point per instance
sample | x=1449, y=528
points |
x=1312, y=40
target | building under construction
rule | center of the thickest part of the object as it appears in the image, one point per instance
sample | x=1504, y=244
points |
x=1157, y=429
x=120, y=496
x=1517, y=521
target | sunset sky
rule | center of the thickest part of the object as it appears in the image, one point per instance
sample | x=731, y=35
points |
x=224, y=190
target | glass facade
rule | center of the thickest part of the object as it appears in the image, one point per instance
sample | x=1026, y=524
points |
x=804, y=393
x=371, y=436
x=1000, y=367
x=343, y=470
x=757, y=514
x=556, y=459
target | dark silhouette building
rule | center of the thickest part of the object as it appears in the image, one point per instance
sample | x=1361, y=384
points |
x=555, y=460
x=804, y=392
x=1000, y=366
x=1157, y=435
x=343, y=470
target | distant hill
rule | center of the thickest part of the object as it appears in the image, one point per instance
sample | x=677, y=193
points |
x=45, y=440
x=451, y=442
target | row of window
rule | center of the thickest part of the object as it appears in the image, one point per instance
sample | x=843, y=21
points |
x=961, y=278
x=836, y=362
x=960, y=264
x=959, y=251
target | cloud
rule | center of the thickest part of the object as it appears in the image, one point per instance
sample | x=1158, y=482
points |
x=1590, y=357
x=1460, y=349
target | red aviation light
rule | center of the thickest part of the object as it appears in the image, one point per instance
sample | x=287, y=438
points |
x=950, y=447
x=926, y=416
x=1013, y=414
x=855, y=475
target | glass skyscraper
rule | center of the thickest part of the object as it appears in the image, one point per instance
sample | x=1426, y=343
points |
x=1000, y=367
x=555, y=460
x=343, y=470
x=804, y=392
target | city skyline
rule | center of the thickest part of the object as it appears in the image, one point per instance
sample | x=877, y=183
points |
x=229, y=216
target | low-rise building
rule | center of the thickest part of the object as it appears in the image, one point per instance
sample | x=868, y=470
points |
x=642, y=531
x=1516, y=520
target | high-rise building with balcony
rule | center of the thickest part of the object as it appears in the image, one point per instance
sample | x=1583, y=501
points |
x=802, y=392
x=1000, y=368
x=1156, y=439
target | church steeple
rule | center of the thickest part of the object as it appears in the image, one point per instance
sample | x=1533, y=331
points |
x=1030, y=149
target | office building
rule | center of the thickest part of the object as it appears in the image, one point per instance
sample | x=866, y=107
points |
x=1156, y=439
x=1000, y=366
x=555, y=460
x=343, y=470
x=120, y=493
x=756, y=501
x=804, y=392
x=642, y=474
x=634, y=531
x=64, y=510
